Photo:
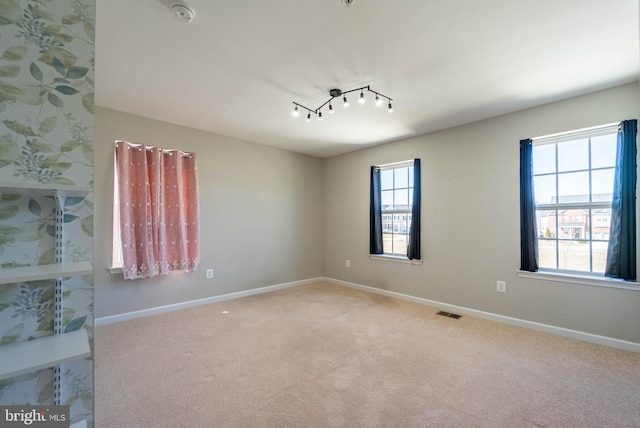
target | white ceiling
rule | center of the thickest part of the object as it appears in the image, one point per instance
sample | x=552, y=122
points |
x=236, y=69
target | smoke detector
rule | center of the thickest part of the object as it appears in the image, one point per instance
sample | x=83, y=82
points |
x=347, y=2
x=183, y=12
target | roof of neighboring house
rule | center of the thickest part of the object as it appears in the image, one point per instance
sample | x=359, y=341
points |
x=568, y=199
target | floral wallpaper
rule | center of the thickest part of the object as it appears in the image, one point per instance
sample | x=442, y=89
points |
x=46, y=137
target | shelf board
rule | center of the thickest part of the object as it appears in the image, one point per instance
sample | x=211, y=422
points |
x=31, y=355
x=24, y=188
x=36, y=273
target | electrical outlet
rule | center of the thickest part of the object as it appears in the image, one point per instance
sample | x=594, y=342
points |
x=347, y=263
x=501, y=286
x=209, y=273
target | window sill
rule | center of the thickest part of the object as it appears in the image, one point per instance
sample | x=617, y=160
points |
x=115, y=269
x=581, y=279
x=396, y=259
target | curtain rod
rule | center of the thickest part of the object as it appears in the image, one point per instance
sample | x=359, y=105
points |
x=577, y=133
x=170, y=151
x=395, y=163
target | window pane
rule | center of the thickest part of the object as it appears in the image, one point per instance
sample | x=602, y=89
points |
x=600, y=256
x=574, y=255
x=387, y=243
x=403, y=224
x=573, y=155
x=544, y=159
x=602, y=185
x=546, y=223
x=603, y=151
x=573, y=187
x=386, y=179
x=545, y=189
x=400, y=244
x=401, y=200
x=601, y=222
x=411, y=176
x=547, y=254
x=402, y=177
x=387, y=199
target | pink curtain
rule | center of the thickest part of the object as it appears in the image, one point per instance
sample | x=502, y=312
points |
x=159, y=221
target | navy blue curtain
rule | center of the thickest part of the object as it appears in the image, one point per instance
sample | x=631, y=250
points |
x=375, y=217
x=528, y=234
x=621, y=254
x=413, y=249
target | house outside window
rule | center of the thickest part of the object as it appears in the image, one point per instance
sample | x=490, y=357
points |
x=573, y=183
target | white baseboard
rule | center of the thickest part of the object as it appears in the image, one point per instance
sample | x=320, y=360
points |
x=183, y=305
x=573, y=334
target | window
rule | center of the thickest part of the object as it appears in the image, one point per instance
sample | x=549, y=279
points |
x=156, y=223
x=397, y=203
x=395, y=209
x=573, y=176
x=580, y=172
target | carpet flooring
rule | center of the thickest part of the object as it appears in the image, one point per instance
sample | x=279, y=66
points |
x=323, y=355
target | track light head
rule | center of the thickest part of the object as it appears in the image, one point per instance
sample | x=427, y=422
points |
x=390, y=110
x=346, y=102
x=378, y=101
x=295, y=112
x=361, y=100
x=330, y=109
x=308, y=117
x=320, y=115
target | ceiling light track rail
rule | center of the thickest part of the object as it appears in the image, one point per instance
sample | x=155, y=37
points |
x=336, y=93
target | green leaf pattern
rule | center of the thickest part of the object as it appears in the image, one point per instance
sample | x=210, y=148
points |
x=15, y=53
x=55, y=74
x=46, y=136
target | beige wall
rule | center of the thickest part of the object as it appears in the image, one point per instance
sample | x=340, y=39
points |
x=260, y=210
x=470, y=220
x=270, y=216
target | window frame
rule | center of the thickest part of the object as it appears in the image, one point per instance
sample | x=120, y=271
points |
x=116, y=243
x=381, y=256
x=401, y=212
x=188, y=262
x=560, y=209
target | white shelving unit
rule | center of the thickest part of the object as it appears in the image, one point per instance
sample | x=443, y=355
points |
x=37, y=189
x=37, y=273
x=37, y=354
x=51, y=351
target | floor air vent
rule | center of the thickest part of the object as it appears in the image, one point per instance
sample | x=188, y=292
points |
x=450, y=315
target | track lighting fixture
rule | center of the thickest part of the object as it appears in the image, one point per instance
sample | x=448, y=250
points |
x=334, y=93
